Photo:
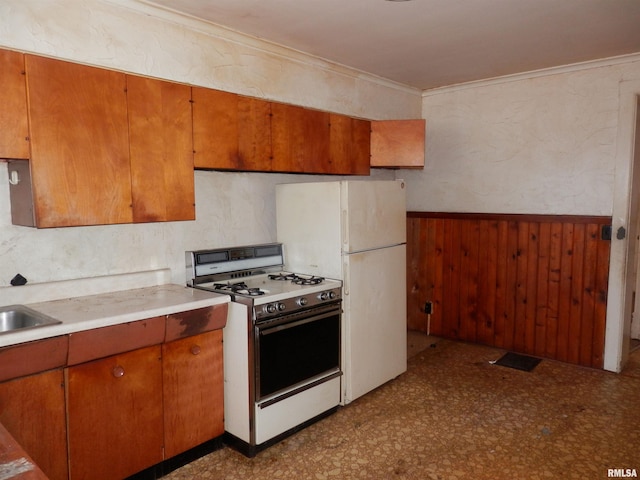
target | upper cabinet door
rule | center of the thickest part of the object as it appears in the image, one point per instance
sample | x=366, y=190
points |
x=14, y=127
x=254, y=134
x=349, y=145
x=231, y=132
x=161, y=149
x=300, y=139
x=398, y=143
x=79, y=144
x=215, y=128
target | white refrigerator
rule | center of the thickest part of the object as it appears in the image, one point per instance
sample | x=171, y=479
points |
x=354, y=231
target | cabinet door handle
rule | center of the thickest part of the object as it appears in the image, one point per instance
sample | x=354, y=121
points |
x=195, y=349
x=118, y=371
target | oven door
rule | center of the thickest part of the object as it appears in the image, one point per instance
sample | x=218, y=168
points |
x=296, y=352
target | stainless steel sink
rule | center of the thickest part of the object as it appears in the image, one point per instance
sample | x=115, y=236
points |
x=19, y=317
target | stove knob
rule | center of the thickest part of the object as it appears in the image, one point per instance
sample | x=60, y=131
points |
x=281, y=306
x=270, y=308
x=332, y=295
x=323, y=296
x=302, y=301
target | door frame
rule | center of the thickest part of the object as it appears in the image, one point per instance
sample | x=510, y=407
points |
x=625, y=206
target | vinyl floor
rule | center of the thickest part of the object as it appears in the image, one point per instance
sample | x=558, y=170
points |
x=455, y=415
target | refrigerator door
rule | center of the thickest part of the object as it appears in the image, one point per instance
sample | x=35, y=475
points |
x=374, y=319
x=373, y=214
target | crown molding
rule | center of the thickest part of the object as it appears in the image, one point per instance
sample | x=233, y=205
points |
x=233, y=36
x=544, y=72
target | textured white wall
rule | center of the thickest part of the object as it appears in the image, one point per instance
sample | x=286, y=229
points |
x=552, y=143
x=542, y=145
x=232, y=208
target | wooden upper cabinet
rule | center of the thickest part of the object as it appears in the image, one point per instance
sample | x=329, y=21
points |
x=161, y=150
x=215, y=128
x=349, y=145
x=234, y=132
x=107, y=147
x=254, y=134
x=398, y=143
x=79, y=144
x=14, y=127
x=299, y=139
x=230, y=131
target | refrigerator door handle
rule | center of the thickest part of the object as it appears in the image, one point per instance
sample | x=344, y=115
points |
x=345, y=235
x=345, y=275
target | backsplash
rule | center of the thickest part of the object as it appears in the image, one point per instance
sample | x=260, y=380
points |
x=232, y=208
x=78, y=287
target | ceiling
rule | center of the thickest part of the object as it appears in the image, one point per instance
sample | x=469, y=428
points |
x=433, y=43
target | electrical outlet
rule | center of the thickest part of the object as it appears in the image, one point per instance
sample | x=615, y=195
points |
x=428, y=308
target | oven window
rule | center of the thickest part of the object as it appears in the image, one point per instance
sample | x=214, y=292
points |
x=292, y=353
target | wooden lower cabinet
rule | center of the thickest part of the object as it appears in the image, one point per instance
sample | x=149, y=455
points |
x=32, y=409
x=115, y=425
x=192, y=391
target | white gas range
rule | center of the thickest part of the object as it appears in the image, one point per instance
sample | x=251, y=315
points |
x=282, y=342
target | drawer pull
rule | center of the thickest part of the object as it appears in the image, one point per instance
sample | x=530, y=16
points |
x=118, y=371
x=195, y=349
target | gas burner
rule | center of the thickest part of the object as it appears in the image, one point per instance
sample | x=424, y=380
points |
x=281, y=277
x=251, y=292
x=308, y=280
x=296, y=279
x=240, y=288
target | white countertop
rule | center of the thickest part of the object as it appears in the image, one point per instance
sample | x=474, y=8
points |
x=95, y=311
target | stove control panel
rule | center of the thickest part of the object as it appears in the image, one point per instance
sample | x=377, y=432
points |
x=293, y=304
x=330, y=295
x=274, y=307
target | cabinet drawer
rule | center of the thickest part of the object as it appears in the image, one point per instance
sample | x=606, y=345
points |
x=193, y=322
x=33, y=357
x=102, y=342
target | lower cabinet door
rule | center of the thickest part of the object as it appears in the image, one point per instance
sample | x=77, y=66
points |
x=115, y=415
x=32, y=411
x=193, y=391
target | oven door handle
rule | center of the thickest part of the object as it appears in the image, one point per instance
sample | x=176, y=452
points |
x=285, y=326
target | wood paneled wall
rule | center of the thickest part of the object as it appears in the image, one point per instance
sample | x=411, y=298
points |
x=526, y=283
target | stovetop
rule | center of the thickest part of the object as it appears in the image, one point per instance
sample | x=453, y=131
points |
x=253, y=275
x=273, y=287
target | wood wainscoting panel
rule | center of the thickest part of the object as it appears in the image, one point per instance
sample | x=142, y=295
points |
x=533, y=284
